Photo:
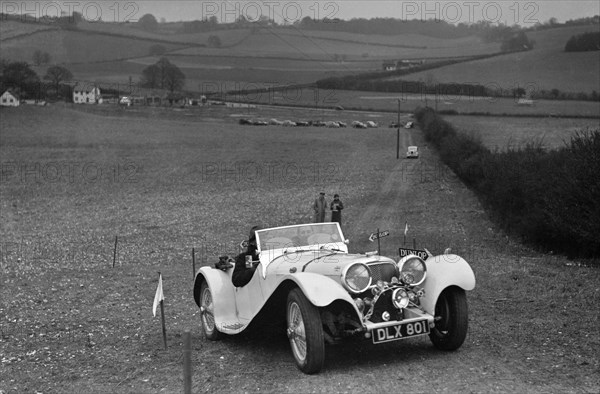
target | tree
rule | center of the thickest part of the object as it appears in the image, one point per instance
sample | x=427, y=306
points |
x=148, y=22
x=163, y=75
x=214, y=41
x=20, y=76
x=518, y=42
x=56, y=75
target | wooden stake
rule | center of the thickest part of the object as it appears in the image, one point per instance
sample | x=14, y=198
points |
x=164, y=329
x=187, y=362
x=193, y=263
x=115, y=251
x=162, y=317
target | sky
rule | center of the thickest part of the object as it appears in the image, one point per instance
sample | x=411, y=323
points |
x=522, y=12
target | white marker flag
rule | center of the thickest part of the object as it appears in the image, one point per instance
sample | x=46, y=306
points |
x=158, y=297
x=405, y=228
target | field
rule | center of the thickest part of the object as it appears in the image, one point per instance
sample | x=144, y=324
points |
x=546, y=66
x=168, y=180
x=388, y=102
x=504, y=132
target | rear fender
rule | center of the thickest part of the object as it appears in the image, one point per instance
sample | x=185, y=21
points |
x=444, y=271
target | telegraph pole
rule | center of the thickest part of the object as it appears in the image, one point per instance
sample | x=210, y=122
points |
x=398, y=134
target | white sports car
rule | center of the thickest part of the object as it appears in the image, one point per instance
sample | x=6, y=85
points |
x=306, y=278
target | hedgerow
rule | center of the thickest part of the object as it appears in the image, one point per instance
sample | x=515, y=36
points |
x=547, y=197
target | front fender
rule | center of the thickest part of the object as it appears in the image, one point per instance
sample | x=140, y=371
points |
x=444, y=271
x=223, y=292
x=321, y=290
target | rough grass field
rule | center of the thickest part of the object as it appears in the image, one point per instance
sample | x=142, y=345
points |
x=513, y=132
x=380, y=101
x=167, y=180
x=546, y=66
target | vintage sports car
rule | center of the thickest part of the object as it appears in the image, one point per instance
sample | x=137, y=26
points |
x=412, y=152
x=306, y=278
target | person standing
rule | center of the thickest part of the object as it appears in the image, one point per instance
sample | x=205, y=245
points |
x=319, y=207
x=336, y=209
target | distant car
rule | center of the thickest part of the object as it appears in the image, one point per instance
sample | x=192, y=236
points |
x=342, y=124
x=306, y=278
x=275, y=122
x=372, y=124
x=126, y=101
x=289, y=123
x=302, y=123
x=408, y=125
x=332, y=124
x=358, y=125
x=412, y=152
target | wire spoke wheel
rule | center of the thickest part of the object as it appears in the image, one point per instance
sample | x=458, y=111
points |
x=305, y=332
x=207, y=313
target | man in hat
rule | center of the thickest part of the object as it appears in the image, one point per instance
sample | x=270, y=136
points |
x=242, y=273
x=319, y=207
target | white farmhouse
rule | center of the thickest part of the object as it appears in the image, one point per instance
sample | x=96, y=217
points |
x=86, y=94
x=9, y=99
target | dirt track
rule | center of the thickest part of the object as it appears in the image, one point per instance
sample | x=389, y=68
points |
x=515, y=344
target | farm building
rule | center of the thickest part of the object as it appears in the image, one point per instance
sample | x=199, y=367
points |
x=86, y=94
x=525, y=102
x=391, y=65
x=9, y=99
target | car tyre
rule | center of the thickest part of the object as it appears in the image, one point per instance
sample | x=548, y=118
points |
x=452, y=319
x=305, y=332
x=207, y=315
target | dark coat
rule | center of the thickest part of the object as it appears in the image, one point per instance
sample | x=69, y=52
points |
x=319, y=207
x=242, y=275
x=336, y=207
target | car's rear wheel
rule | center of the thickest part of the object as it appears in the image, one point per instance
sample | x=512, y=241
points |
x=305, y=331
x=451, y=319
x=207, y=314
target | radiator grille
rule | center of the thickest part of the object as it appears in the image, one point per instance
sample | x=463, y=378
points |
x=383, y=271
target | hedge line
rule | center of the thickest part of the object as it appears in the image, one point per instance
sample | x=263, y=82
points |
x=550, y=198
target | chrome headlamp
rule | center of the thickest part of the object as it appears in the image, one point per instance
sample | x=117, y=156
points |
x=356, y=278
x=400, y=298
x=413, y=270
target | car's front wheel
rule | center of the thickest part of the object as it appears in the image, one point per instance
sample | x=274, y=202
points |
x=207, y=313
x=451, y=319
x=305, y=331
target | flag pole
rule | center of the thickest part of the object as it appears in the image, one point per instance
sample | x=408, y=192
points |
x=115, y=250
x=159, y=294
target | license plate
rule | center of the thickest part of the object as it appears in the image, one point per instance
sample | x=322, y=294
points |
x=400, y=331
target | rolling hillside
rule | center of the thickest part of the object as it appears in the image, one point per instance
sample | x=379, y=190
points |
x=547, y=66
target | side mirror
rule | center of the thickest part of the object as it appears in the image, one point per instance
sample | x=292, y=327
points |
x=346, y=241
